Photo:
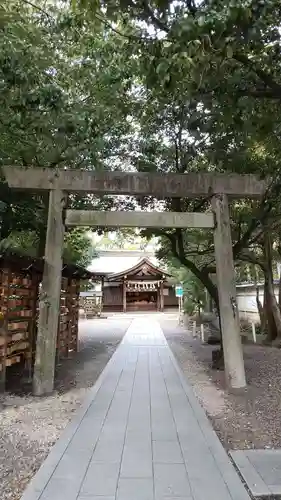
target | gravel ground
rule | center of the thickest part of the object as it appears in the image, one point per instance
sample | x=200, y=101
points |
x=251, y=420
x=30, y=426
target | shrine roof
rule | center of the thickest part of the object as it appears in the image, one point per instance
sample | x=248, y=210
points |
x=142, y=269
x=111, y=262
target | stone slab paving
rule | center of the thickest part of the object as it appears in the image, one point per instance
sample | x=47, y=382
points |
x=140, y=435
x=261, y=470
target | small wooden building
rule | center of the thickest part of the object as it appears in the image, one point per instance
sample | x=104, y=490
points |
x=20, y=278
x=143, y=287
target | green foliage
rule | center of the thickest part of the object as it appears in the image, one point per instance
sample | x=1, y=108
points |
x=64, y=86
x=78, y=248
x=219, y=60
x=60, y=104
x=194, y=292
x=21, y=242
x=123, y=239
x=195, y=295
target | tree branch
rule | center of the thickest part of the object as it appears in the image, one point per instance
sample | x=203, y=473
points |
x=200, y=252
x=260, y=93
x=31, y=4
x=191, y=7
x=115, y=30
x=261, y=217
x=177, y=155
x=248, y=256
x=257, y=93
x=178, y=252
x=263, y=75
x=156, y=21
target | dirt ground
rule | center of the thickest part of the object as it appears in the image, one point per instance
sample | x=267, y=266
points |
x=30, y=426
x=251, y=420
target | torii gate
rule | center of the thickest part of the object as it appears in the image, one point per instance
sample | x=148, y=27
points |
x=61, y=182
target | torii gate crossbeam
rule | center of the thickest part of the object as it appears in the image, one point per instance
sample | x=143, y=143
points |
x=139, y=219
x=160, y=185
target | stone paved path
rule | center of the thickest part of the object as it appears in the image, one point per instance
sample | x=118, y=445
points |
x=261, y=469
x=141, y=435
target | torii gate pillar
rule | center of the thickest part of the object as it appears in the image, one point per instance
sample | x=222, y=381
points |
x=49, y=301
x=231, y=337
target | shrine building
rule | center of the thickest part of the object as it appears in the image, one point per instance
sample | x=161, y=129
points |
x=140, y=286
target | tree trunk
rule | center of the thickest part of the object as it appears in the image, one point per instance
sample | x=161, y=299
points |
x=272, y=308
x=206, y=281
x=261, y=309
x=269, y=318
x=275, y=310
x=203, y=276
x=279, y=293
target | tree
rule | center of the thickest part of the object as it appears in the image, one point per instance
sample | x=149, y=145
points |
x=51, y=112
x=78, y=246
x=63, y=103
x=194, y=291
x=224, y=58
x=216, y=40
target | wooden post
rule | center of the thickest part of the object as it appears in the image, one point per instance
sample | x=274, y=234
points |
x=33, y=324
x=75, y=324
x=202, y=333
x=254, y=332
x=231, y=338
x=161, y=296
x=102, y=295
x=70, y=316
x=124, y=297
x=49, y=300
x=194, y=329
x=4, y=324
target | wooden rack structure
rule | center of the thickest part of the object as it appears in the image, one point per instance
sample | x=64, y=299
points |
x=20, y=279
